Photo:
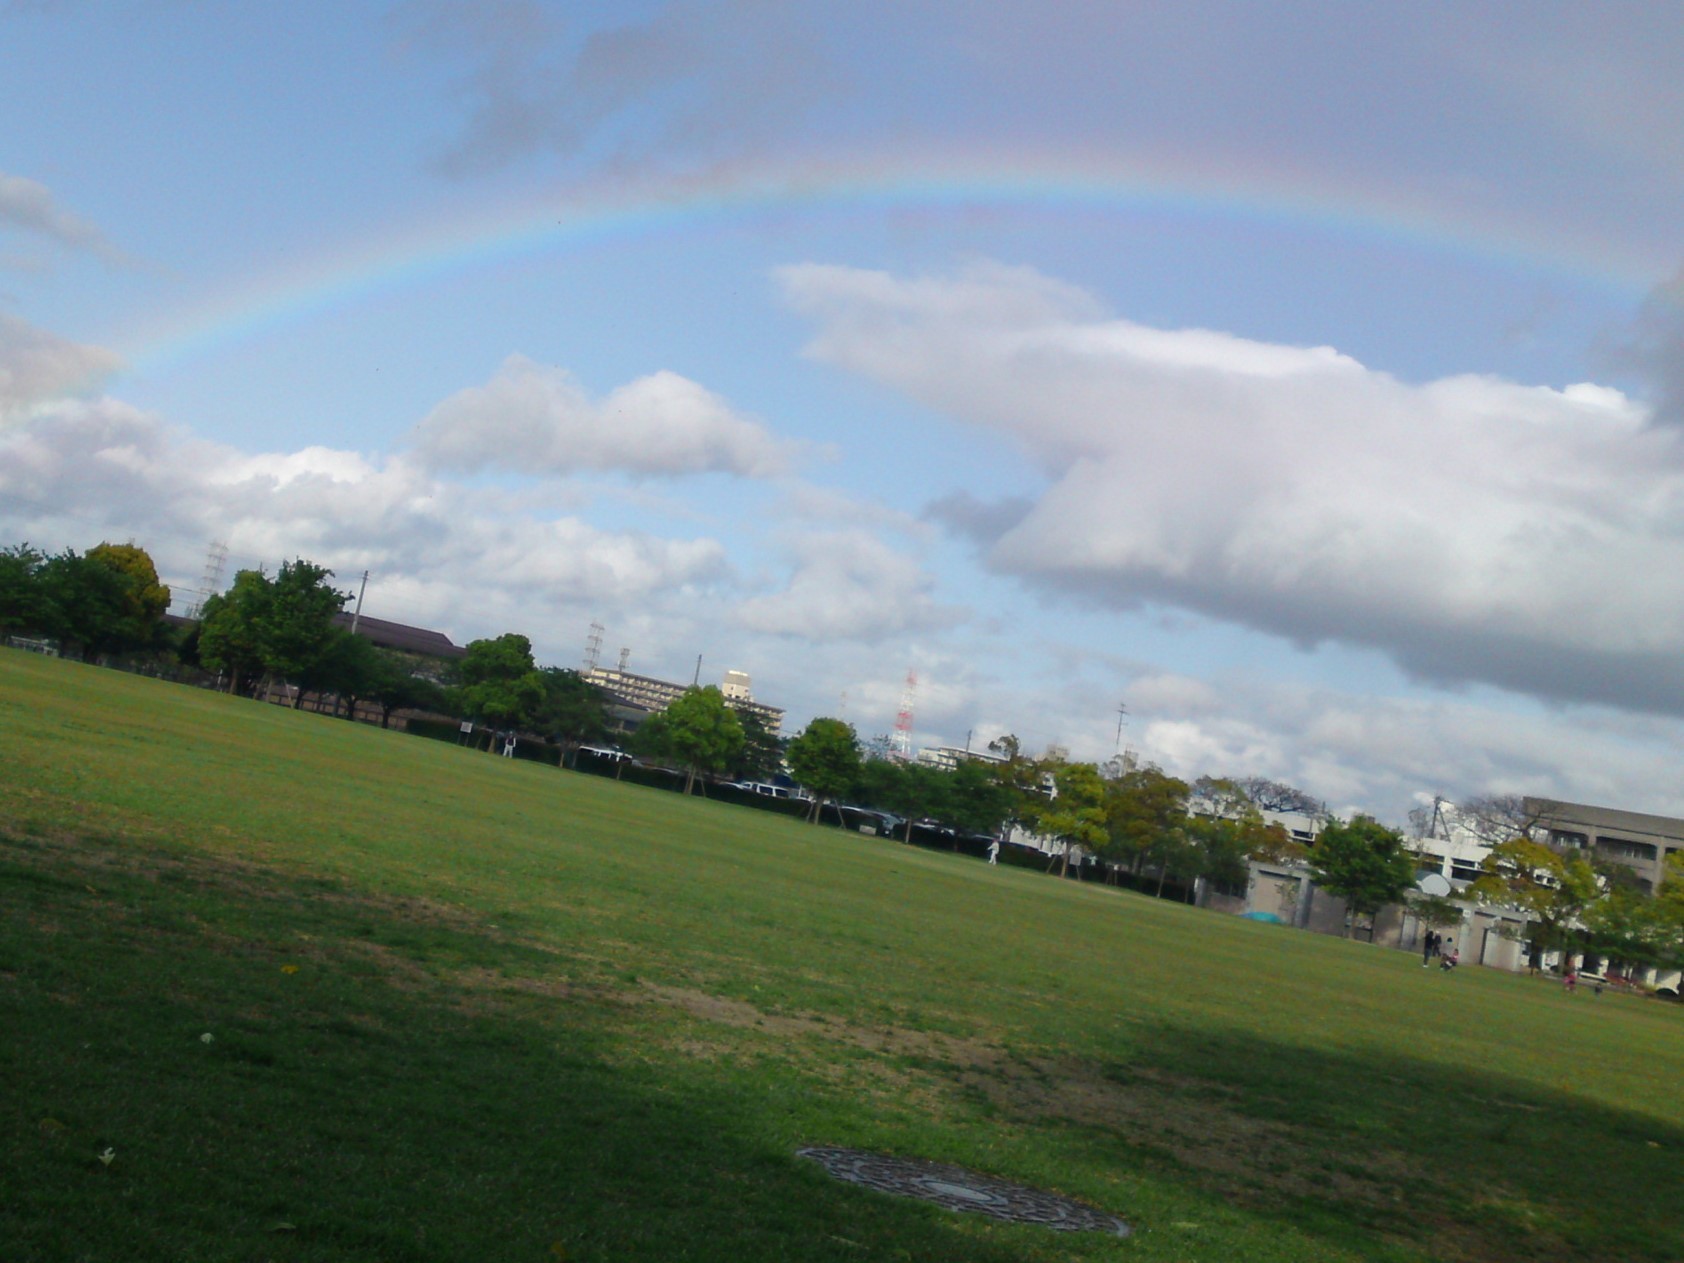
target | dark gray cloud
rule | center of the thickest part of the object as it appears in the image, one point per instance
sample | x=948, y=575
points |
x=707, y=82
x=29, y=209
x=1653, y=349
x=983, y=522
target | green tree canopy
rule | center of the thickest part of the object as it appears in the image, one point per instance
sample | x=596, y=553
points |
x=499, y=682
x=23, y=601
x=573, y=710
x=296, y=631
x=230, y=629
x=825, y=757
x=1364, y=863
x=1552, y=889
x=762, y=755
x=1143, y=806
x=92, y=606
x=976, y=801
x=1022, y=780
x=146, y=599
x=703, y=731
x=1075, y=814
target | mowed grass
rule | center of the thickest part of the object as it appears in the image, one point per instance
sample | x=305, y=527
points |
x=274, y=986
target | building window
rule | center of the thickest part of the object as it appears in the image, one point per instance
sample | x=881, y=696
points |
x=1625, y=849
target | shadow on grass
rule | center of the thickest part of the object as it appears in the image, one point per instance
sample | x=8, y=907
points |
x=211, y=1060
x=1359, y=1150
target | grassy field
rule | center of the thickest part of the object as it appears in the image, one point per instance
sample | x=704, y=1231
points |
x=275, y=986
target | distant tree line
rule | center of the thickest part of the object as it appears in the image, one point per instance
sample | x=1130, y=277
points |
x=1157, y=830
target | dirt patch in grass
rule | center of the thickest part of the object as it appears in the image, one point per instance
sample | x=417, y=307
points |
x=1193, y=1124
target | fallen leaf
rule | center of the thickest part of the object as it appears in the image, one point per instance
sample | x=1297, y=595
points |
x=207, y=1038
x=289, y=969
x=283, y=1226
x=52, y=1127
x=106, y=1157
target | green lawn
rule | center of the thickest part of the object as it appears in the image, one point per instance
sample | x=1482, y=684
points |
x=321, y=992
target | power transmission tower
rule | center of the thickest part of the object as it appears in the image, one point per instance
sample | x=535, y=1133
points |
x=211, y=582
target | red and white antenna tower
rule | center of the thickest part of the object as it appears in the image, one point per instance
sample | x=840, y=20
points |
x=903, y=721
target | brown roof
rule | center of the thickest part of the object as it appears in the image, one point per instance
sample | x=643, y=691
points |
x=402, y=637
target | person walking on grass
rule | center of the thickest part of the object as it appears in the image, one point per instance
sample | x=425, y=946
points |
x=994, y=850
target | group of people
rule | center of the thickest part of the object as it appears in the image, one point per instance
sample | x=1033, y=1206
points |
x=1435, y=944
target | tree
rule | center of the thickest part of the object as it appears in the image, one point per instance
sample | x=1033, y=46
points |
x=23, y=600
x=230, y=629
x=573, y=709
x=1075, y=816
x=86, y=605
x=1268, y=795
x=1142, y=807
x=762, y=754
x=499, y=682
x=825, y=757
x=1022, y=781
x=921, y=792
x=1498, y=818
x=1628, y=925
x=395, y=687
x=703, y=731
x=1224, y=847
x=1669, y=912
x=296, y=631
x=1364, y=863
x=349, y=666
x=1552, y=889
x=976, y=801
x=145, y=599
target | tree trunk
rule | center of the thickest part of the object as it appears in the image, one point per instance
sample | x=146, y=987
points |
x=1163, y=872
x=689, y=779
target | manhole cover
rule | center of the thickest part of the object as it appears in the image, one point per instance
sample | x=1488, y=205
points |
x=958, y=1189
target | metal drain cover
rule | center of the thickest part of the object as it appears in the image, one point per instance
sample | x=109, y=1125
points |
x=956, y=1188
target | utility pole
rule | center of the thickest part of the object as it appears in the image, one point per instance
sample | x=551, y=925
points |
x=358, y=612
x=696, y=680
x=1122, y=714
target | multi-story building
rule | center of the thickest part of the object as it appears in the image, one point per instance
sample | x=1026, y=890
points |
x=948, y=758
x=634, y=697
x=1640, y=842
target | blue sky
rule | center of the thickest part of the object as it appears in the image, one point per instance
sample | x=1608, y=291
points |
x=1305, y=376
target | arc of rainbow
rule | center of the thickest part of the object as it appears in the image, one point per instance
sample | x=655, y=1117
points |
x=878, y=183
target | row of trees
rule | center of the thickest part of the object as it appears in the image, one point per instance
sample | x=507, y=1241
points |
x=103, y=602
x=109, y=602
x=283, y=628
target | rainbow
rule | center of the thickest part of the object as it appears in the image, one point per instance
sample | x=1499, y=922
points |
x=879, y=183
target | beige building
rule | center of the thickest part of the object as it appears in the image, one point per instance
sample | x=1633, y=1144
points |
x=645, y=694
x=1638, y=841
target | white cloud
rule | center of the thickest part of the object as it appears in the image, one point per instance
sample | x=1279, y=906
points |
x=37, y=367
x=83, y=471
x=848, y=585
x=1471, y=528
x=533, y=419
